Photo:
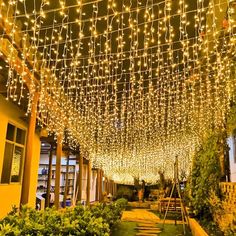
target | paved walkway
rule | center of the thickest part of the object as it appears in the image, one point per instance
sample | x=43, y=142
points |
x=143, y=215
x=146, y=221
x=140, y=215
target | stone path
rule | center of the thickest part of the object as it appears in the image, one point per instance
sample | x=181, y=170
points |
x=146, y=221
x=142, y=215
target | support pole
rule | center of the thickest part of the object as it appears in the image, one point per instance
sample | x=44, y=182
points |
x=66, y=180
x=112, y=187
x=183, y=209
x=98, y=185
x=80, y=180
x=88, y=183
x=109, y=186
x=75, y=196
x=29, y=152
x=105, y=185
x=47, y=202
x=101, y=186
x=58, y=172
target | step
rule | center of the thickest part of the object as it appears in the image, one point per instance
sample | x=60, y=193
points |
x=150, y=231
x=142, y=221
x=147, y=228
x=147, y=225
x=145, y=234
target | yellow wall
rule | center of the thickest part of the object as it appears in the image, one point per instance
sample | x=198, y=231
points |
x=10, y=193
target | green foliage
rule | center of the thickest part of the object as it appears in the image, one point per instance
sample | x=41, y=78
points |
x=171, y=229
x=122, y=203
x=124, y=192
x=223, y=215
x=125, y=229
x=94, y=221
x=231, y=119
x=206, y=174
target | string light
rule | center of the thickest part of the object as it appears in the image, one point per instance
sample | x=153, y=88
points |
x=134, y=83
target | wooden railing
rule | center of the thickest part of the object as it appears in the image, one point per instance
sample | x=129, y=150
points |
x=229, y=190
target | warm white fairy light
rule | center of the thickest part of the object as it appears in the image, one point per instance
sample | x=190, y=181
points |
x=135, y=83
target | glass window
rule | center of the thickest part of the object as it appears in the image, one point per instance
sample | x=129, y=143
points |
x=6, y=168
x=10, y=132
x=13, y=155
x=16, y=164
x=20, y=136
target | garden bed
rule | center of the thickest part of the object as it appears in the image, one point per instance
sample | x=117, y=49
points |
x=95, y=221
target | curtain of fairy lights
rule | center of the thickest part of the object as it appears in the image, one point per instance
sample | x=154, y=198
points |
x=134, y=83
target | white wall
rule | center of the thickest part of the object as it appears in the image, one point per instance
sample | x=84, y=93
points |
x=232, y=162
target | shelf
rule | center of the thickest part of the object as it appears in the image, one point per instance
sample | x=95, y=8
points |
x=62, y=186
x=54, y=177
x=62, y=193
x=67, y=186
x=71, y=172
x=55, y=165
x=43, y=178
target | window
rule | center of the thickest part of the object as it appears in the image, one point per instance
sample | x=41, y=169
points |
x=13, y=155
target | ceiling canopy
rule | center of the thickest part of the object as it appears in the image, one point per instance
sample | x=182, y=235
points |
x=134, y=83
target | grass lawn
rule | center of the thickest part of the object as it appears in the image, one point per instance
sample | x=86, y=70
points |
x=170, y=230
x=128, y=229
x=169, y=216
x=124, y=229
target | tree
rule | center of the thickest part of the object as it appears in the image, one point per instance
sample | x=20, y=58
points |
x=206, y=173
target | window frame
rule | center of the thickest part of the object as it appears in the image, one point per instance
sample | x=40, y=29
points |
x=15, y=144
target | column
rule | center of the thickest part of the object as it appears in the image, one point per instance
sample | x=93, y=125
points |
x=88, y=183
x=58, y=172
x=66, y=180
x=112, y=187
x=98, y=185
x=29, y=152
x=108, y=186
x=115, y=189
x=47, y=202
x=79, y=197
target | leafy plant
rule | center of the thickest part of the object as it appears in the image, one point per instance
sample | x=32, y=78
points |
x=95, y=221
x=122, y=203
x=206, y=174
x=124, y=192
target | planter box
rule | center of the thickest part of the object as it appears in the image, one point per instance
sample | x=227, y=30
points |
x=196, y=228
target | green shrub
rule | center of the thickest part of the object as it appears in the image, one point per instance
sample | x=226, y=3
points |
x=111, y=214
x=124, y=192
x=122, y=203
x=206, y=174
x=94, y=221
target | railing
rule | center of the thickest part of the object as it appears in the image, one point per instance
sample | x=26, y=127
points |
x=228, y=187
x=229, y=191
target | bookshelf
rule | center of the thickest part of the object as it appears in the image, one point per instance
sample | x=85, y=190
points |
x=43, y=177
